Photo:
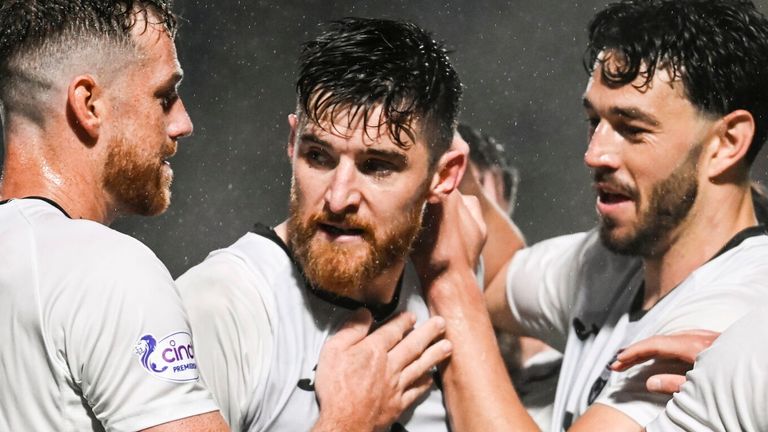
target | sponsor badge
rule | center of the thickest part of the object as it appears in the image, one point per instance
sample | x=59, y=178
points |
x=171, y=358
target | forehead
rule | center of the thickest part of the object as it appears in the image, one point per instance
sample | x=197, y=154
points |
x=662, y=93
x=154, y=45
x=366, y=128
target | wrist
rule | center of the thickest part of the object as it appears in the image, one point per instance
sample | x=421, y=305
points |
x=455, y=288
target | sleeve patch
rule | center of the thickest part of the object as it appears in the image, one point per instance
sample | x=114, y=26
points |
x=172, y=358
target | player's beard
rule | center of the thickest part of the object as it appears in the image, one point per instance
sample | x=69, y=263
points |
x=669, y=203
x=345, y=269
x=137, y=181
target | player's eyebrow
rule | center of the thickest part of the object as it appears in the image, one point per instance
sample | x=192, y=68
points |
x=630, y=112
x=308, y=136
x=634, y=113
x=172, y=82
x=391, y=155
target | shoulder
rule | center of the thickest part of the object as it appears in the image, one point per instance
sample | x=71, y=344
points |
x=239, y=282
x=232, y=311
x=252, y=263
x=579, y=252
x=721, y=291
x=748, y=259
x=93, y=248
x=566, y=265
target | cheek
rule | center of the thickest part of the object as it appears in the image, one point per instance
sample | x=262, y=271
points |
x=307, y=191
x=395, y=205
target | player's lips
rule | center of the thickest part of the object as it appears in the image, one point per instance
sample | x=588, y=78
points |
x=612, y=198
x=340, y=230
x=171, y=152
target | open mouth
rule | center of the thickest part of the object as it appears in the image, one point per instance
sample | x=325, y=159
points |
x=336, y=231
x=612, y=198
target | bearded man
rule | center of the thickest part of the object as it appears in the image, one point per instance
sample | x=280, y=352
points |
x=369, y=146
x=677, y=107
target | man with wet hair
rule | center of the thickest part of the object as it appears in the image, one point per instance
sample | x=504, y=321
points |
x=93, y=331
x=370, y=145
x=677, y=105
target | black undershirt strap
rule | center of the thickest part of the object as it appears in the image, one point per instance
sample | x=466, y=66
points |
x=48, y=200
x=740, y=237
x=379, y=311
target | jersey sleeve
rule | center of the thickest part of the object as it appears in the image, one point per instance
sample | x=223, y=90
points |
x=724, y=391
x=232, y=333
x=128, y=344
x=540, y=288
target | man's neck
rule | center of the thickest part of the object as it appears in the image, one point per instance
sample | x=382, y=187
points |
x=380, y=290
x=30, y=170
x=707, y=229
x=75, y=201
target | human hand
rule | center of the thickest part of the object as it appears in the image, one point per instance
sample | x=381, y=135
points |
x=682, y=347
x=365, y=381
x=452, y=237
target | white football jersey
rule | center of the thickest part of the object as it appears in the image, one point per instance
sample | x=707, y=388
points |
x=574, y=294
x=93, y=333
x=266, y=327
x=726, y=390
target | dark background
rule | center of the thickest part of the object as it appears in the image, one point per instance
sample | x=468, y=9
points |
x=520, y=62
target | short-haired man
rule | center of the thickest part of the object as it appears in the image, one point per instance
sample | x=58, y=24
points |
x=369, y=146
x=93, y=332
x=677, y=106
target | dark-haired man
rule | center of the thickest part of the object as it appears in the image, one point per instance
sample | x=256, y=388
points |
x=677, y=109
x=93, y=332
x=369, y=146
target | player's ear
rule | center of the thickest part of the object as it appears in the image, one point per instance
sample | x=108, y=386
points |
x=450, y=170
x=85, y=108
x=293, y=122
x=731, y=142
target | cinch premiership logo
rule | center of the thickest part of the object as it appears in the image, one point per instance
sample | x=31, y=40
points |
x=172, y=358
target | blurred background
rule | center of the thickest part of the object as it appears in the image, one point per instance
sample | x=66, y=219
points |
x=520, y=62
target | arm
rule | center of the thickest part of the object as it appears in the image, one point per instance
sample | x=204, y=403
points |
x=133, y=305
x=477, y=388
x=504, y=238
x=384, y=372
x=209, y=422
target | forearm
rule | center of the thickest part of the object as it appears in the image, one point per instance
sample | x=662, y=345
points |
x=328, y=424
x=478, y=392
x=504, y=237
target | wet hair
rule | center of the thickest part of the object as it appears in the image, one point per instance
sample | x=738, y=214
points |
x=487, y=153
x=38, y=36
x=717, y=48
x=358, y=64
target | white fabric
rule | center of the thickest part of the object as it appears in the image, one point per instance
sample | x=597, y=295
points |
x=537, y=384
x=727, y=389
x=263, y=331
x=574, y=277
x=75, y=300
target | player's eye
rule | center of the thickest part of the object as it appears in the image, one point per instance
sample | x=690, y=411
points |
x=377, y=167
x=167, y=100
x=318, y=157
